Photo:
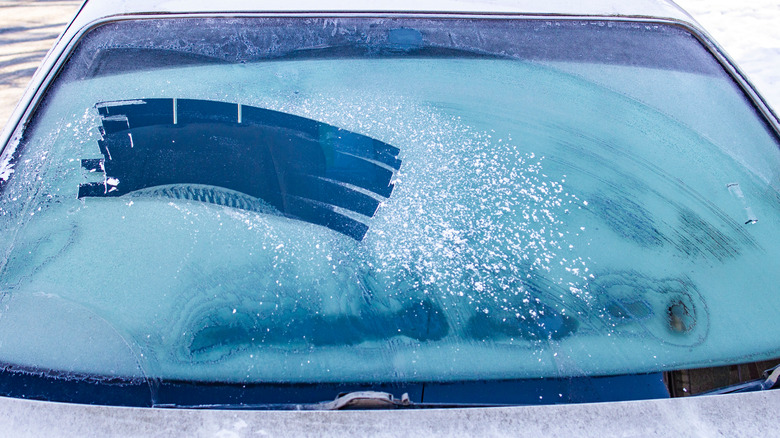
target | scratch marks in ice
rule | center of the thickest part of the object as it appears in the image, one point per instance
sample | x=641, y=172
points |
x=474, y=214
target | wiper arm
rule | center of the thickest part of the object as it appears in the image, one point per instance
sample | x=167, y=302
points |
x=367, y=400
x=771, y=376
x=384, y=400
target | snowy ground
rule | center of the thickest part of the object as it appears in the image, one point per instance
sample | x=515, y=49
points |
x=27, y=31
x=749, y=31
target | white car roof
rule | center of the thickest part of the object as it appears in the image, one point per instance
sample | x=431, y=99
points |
x=635, y=8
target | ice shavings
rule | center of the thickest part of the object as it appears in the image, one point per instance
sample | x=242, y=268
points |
x=6, y=166
x=474, y=220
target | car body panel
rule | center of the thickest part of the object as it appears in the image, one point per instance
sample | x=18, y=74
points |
x=749, y=415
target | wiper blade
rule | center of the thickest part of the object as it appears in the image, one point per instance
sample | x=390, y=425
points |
x=350, y=400
x=358, y=400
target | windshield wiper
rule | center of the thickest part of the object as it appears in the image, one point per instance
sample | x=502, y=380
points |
x=769, y=381
x=367, y=400
x=358, y=400
x=384, y=400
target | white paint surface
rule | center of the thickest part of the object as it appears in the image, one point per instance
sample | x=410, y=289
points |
x=739, y=415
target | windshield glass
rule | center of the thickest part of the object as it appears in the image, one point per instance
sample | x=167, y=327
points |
x=295, y=201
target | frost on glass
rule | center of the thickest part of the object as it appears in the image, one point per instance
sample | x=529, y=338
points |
x=546, y=220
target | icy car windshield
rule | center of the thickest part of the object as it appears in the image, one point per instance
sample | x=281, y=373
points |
x=261, y=202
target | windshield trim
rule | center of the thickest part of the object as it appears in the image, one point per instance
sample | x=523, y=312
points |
x=37, y=384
